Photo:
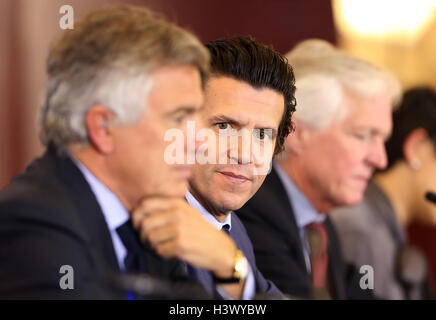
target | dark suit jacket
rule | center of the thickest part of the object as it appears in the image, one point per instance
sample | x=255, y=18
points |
x=271, y=225
x=49, y=217
x=240, y=237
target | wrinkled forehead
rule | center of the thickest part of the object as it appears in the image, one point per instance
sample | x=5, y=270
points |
x=368, y=112
x=242, y=102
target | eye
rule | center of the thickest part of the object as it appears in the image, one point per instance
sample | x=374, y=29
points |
x=222, y=125
x=262, y=134
x=179, y=119
x=365, y=137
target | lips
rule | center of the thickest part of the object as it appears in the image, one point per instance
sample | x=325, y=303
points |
x=233, y=177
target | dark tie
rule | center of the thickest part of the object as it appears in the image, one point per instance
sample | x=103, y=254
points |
x=134, y=262
x=226, y=228
x=318, y=243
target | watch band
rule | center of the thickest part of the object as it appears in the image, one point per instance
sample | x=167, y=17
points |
x=226, y=280
x=240, y=270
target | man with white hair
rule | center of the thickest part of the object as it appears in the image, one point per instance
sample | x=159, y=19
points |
x=116, y=84
x=342, y=120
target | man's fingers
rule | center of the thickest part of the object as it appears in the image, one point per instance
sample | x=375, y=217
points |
x=158, y=220
x=159, y=235
x=168, y=249
x=152, y=206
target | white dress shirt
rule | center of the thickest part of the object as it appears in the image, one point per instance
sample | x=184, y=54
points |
x=113, y=210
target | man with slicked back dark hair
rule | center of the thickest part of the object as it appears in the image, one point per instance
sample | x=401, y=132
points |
x=246, y=60
x=249, y=94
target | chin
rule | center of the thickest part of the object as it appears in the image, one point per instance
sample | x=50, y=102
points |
x=352, y=200
x=232, y=202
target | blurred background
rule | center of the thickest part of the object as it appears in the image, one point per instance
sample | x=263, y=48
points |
x=397, y=34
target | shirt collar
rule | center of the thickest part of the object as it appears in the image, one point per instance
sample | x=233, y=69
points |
x=304, y=211
x=206, y=214
x=113, y=210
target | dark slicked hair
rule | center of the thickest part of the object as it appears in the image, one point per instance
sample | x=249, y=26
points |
x=417, y=110
x=245, y=59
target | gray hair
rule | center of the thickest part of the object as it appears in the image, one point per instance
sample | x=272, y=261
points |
x=107, y=59
x=322, y=73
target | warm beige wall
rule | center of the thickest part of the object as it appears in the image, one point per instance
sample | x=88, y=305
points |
x=27, y=27
x=414, y=64
x=4, y=101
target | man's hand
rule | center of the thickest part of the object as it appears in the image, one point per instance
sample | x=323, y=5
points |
x=176, y=230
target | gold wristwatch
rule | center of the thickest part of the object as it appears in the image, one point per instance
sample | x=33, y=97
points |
x=240, y=269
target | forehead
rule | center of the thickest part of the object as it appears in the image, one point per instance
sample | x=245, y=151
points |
x=176, y=86
x=242, y=102
x=374, y=112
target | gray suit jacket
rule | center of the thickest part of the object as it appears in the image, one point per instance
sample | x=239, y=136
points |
x=371, y=234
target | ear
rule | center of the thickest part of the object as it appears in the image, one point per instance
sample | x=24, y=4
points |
x=411, y=145
x=294, y=142
x=97, y=122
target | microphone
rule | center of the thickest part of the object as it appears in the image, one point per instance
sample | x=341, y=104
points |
x=411, y=270
x=150, y=287
x=431, y=196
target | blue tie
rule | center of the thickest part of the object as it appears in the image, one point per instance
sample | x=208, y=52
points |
x=134, y=262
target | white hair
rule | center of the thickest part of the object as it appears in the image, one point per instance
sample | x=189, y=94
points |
x=63, y=116
x=322, y=73
x=108, y=59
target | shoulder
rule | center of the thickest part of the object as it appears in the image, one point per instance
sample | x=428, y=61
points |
x=238, y=227
x=270, y=204
x=360, y=218
x=37, y=198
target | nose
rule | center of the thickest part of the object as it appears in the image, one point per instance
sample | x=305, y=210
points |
x=377, y=156
x=240, y=148
x=191, y=143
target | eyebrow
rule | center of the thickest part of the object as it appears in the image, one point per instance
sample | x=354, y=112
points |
x=375, y=132
x=223, y=118
x=184, y=109
x=233, y=122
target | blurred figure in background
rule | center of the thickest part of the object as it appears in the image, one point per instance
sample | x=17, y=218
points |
x=373, y=232
x=116, y=84
x=342, y=120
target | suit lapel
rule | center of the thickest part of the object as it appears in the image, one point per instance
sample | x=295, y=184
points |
x=87, y=207
x=279, y=212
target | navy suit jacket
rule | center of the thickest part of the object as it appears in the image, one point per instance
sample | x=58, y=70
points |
x=240, y=237
x=49, y=217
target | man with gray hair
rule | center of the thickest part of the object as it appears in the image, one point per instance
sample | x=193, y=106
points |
x=343, y=118
x=116, y=84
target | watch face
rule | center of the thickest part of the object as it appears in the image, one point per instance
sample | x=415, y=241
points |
x=241, y=267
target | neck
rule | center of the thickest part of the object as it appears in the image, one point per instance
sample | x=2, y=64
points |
x=293, y=170
x=97, y=165
x=220, y=214
x=395, y=183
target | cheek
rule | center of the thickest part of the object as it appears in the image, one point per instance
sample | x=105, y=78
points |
x=329, y=159
x=347, y=158
x=202, y=175
x=337, y=167
x=257, y=183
